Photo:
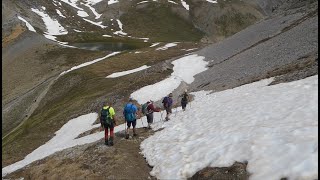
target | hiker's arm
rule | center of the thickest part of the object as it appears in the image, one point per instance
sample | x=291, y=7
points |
x=154, y=109
x=100, y=120
x=114, y=120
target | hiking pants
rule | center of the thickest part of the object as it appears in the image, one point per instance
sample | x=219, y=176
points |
x=149, y=118
x=106, y=132
x=168, y=109
x=134, y=122
x=184, y=104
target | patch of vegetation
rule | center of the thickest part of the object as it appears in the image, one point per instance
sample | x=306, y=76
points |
x=157, y=22
x=233, y=22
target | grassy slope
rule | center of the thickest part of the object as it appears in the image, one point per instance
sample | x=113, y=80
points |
x=159, y=23
x=79, y=92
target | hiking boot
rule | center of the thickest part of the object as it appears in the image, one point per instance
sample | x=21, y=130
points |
x=111, y=141
x=134, y=134
x=127, y=136
x=106, y=142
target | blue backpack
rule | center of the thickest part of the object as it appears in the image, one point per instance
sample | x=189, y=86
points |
x=129, y=112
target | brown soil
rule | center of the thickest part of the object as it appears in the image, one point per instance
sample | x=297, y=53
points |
x=235, y=172
x=16, y=31
x=94, y=161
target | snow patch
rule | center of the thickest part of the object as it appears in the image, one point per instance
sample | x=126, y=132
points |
x=89, y=63
x=95, y=23
x=53, y=26
x=121, y=29
x=27, y=24
x=212, y=1
x=82, y=13
x=165, y=47
x=154, y=44
x=112, y=1
x=59, y=13
x=184, y=69
x=123, y=73
x=274, y=128
x=185, y=5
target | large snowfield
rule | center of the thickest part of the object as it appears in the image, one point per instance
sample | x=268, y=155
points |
x=274, y=128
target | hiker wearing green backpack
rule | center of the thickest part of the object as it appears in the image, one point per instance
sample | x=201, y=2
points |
x=108, y=121
x=130, y=113
x=148, y=109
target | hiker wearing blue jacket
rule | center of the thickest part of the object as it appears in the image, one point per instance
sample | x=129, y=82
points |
x=167, y=105
x=130, y=113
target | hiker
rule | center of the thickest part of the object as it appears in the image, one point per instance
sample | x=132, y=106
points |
x=108, y=121
x=184, y=99
x=149, y=112
x=167, y=104
x=130, y=113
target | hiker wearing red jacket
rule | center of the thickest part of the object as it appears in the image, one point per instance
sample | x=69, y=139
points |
x=149, y=113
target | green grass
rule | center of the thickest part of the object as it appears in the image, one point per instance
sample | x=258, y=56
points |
x=159, y=23
x=233, y=21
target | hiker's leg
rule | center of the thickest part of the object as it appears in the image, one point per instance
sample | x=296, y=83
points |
x=134, y=127
x=167, y=114
x=106, y=133
x=149, y=119
x=128, y=126
x=111, y=136
x=111, y=132
x=184, y=105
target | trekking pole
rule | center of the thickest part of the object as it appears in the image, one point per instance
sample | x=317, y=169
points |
x=125, y=127
x=161, y=116
x=142, y=121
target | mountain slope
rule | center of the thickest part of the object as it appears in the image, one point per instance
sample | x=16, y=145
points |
x=283, y=44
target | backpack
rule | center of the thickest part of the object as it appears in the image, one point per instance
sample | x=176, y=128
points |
x=185, y=97
x=144, y=108
x=129, y=113
x=167, y=101
x=105, y=117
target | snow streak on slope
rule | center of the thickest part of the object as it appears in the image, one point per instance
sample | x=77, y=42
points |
x=123, y=73
x=121, y=29
x=95, y=23
x=165, y=47
x=184, y=69
x=185, y=5
x=112, y=1
x=59, y=13
x=27, y=24
x=274, y=128
x=212, y=1
x=89, y=63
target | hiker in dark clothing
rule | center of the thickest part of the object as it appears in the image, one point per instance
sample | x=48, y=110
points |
x=167, y=104
x=130, y=113
x=184, y=99
x=149, y=113
x=108, y=121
